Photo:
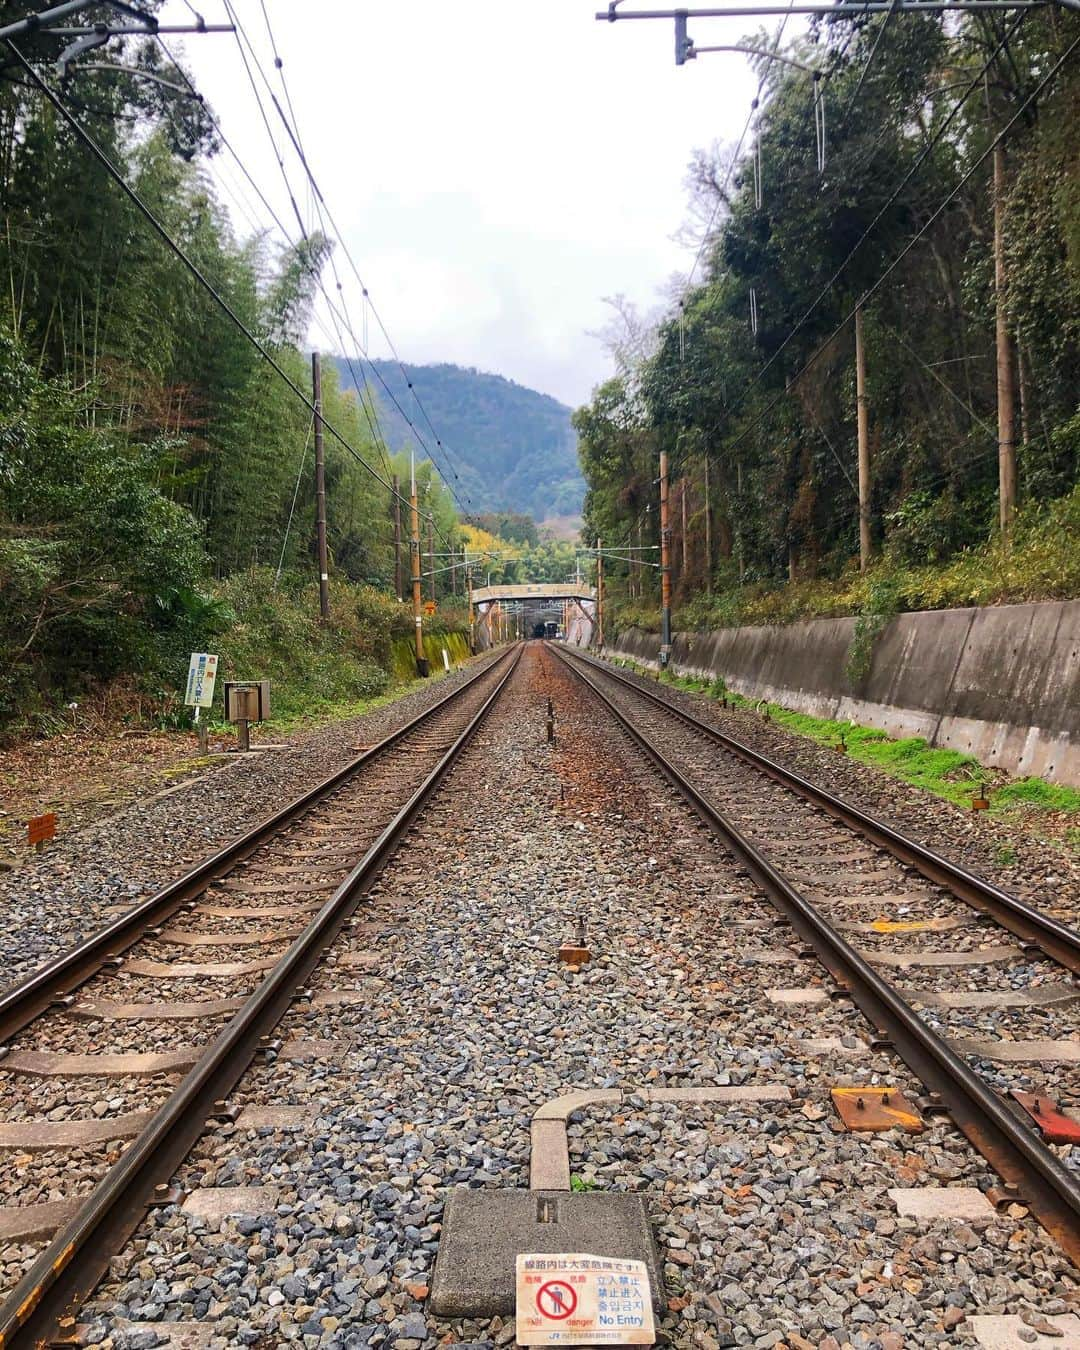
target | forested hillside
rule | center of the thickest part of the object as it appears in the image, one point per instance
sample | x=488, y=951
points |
x=514, y=449
x=750, y=382
x=149, y=455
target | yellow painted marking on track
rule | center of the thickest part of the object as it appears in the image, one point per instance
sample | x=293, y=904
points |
x=903, y=925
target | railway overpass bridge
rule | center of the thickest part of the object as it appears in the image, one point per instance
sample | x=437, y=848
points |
x=570, y=604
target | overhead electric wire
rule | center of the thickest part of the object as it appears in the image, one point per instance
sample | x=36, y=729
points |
x=145, y=211
x=365, y=399
x=321, y=206
x=923, y=156
x=876, y=286
x=363, y=396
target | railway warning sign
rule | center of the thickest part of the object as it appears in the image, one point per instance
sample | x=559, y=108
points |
x=579, y=1299
x=202, y=672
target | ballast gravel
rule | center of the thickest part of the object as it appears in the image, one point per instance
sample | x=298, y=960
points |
x=775, y=1225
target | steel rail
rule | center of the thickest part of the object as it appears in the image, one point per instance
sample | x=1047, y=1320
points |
x=64, y=1275
x=24, y=1001
x=1014, y=1151
x=1035, y=929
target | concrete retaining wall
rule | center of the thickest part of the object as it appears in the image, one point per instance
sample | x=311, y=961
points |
x=1002, y=683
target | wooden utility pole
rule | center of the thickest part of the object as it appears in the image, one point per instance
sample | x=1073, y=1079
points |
x=1006, y=391
x=685, y=536
x=599, y=597
x=863, y=415
x=708, y=533
x=320, y=491
x=414, y=557
x=453, y=570
x=431, y=556
x=472, y=612
x=397, y=536
x=665, y=564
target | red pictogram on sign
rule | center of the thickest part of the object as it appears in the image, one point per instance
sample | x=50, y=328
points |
x=556, y=1299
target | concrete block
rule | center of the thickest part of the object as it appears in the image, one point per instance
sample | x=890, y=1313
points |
x=965, y=1204
x=484, y=1231
x=1003, y=1333
x=1065, y=1051
x=1001, y=682
x=215, y=1203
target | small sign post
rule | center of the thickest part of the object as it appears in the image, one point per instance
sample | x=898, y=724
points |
x=41, y=828
x=202, y=672
x=578, y=1299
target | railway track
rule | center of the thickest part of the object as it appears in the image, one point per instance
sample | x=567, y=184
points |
x=820, y=861
x=115, y=1055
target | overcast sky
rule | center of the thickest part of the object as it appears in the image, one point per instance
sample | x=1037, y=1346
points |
x=497, y=167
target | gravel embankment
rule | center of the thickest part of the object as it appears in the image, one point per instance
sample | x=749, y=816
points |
x=775, y=1225
x=86, y=876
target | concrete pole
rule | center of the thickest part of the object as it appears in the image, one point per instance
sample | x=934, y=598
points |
x=397, y=536
x=320, y=491
x=414, y=552
x=863, y=414
x=665, y=564
x=1006, y=392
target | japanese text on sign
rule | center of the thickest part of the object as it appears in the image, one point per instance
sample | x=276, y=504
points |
x=578, y=1299
x=202, y=672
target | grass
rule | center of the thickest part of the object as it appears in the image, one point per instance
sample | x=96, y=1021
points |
x=946, y=773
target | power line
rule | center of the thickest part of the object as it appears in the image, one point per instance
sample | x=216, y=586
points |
x=923, y=156
x=363, y=396
x=321, y=208
x=114, y=173
x=978, y=162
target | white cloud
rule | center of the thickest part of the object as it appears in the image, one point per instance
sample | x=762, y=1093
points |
x=495, y=166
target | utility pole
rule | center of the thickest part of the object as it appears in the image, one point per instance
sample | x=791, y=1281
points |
x=863, y=415
x=472, y=612
x=320, y=491
x=708, y=533
x=599, y=597
x=414, y=553
x=685, y=538
x=397, y=536
x=1006, y=392
x=453, y=570
x=665, y=565
x=431, y=555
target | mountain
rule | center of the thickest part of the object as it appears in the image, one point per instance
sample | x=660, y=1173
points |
x=513, y=448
